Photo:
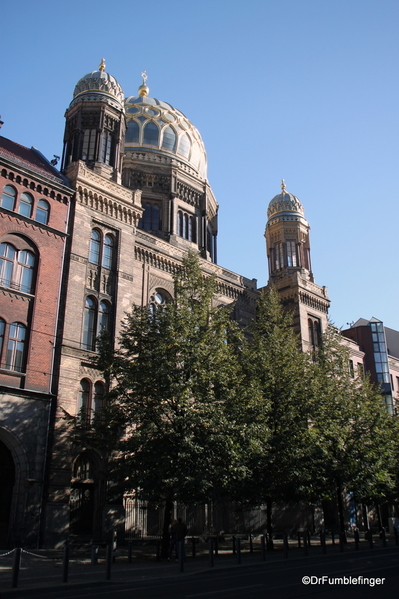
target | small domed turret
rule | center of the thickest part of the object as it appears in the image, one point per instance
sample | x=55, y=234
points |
x=285, y=202
x=98, y=85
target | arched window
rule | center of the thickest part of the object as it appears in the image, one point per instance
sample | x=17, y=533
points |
x=89, y=144
x=16, y=268
x=84, y=407
x=7, y=261
x=8, y=197
x=95, y=243
x=151, y=134
x=2, y=330
x=89, y=324
x=99, y=392
x=108, y=251
x=103, y=317
x=26, y=263
x=192, y=232
x=16, y=347
x=278, y=256
x=184, y=146
x=42, y=212
x=158, y=300
x=150, y=219
x=180, y=223
x=133, y=132
x=291, y=254
x=169, y=139
x=25, y=205
x=106, y=144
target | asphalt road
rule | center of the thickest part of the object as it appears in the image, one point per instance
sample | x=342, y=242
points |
x=272, y=581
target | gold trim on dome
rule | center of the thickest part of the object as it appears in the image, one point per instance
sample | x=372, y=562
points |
x=144, y=90
x=102, y=65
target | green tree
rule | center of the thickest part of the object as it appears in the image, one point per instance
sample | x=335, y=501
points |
x=170, y=421
x=352, y=439
x=277, y=375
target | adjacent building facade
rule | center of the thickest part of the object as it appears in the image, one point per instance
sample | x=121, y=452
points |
x=34, y=208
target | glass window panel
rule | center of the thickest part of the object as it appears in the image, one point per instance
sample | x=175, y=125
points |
x=8, y=197
x=94, y=251
x=103, y=317
x=25, y=205
x=169, y=139
x=15, y=348
x=98, y=396
x=2, y=329
x=7, y=262
x=89, y=320
x=108, y=251
x=42, y=212
x=374, y=336
x=151, y=134
x=133, y=132
x=184, y=146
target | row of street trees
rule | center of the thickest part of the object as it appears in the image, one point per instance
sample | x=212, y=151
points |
x=202, y=411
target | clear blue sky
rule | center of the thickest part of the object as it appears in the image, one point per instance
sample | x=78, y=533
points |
x=305, y=90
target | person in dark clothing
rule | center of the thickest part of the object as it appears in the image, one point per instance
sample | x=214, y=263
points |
x=180, y=532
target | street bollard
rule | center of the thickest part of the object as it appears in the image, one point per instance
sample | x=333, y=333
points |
x=158, y=554
x=332, y=537
x=384, y=537
x=370, y=538
x=263, y=548
x=308, y=536
x=285, y=539
x=15, y=567
x=94, y=555
x=234, y=545
x=211, y=552
x=323, y=541
x=238, y=541
x=181, y=555
x=108, y=562
x=65, y=564
x=251, y=545
x=356, y=534
x=129, y=552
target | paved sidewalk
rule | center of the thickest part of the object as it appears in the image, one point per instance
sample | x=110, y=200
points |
x=44, y=569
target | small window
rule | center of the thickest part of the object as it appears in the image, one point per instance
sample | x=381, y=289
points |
x=89, y=324
x=26, y=263
x=7, y=262
x=151, y=134
x=84, y=398
x=184, y=146
x=89, y=144
x=103, y=317
x=108, y=251
x=133, y=132
x=42, y=212
x=99, y=392
x=158, y=300
x=16, y=347
x=8, y=197
x=291, y=254
x=150, y=219
x=25, y=205
x=169, y=139
x=94, y=251
x=2, y=330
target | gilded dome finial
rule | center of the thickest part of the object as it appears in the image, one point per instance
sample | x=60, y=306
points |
x=283, y=188
x=144, y=89
x=102, y=65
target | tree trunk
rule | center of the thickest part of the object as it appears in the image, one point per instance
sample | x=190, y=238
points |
x=166, y=528
x=269, y=506
x=341, y=517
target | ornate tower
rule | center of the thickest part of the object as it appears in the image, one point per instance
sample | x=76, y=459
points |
x=95, y=125
x=290, y=271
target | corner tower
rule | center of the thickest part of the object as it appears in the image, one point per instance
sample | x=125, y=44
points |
x=95, y=125
x=290, y=270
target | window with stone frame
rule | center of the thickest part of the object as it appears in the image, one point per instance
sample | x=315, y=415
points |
x=15, y=354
